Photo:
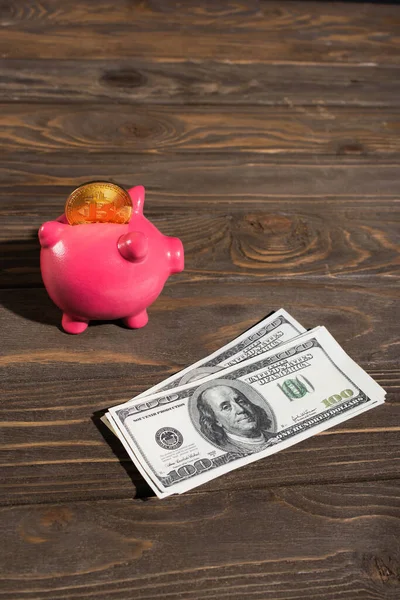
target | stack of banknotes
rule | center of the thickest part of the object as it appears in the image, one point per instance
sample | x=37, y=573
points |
x=273, y=386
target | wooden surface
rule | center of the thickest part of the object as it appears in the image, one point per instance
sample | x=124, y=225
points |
x=267, y=136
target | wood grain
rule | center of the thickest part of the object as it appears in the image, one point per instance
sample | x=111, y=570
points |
x=213, y=180
x=141, y=550
x=293, y=32
x=269, y=130
x=149, y=14
x=152, y=15
x=54, y=383
x=271, y=244
x=200, y=82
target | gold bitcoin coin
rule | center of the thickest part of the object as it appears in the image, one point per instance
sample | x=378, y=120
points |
x=98, y=202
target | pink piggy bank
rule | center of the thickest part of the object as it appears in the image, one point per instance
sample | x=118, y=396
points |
x=105, y=270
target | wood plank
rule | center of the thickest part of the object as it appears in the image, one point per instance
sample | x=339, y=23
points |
x=198, y=82
x=53, y=384
x=274, y=32
x=212, y=180
x=148, y=14
x=306, y=242
x=336, y=541
x=139, y=129
x=155, y=15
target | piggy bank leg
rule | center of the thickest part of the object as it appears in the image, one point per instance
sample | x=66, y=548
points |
x=137, y=321
x=73, y=324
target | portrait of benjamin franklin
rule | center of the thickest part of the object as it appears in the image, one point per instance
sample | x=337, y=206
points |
x=232, y=416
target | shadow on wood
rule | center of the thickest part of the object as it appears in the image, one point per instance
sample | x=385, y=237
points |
x=20, y=261
x=20, y=258
x=143, y=490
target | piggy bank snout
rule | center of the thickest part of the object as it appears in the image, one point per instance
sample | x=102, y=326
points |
x=134, y=247
x=176, y=255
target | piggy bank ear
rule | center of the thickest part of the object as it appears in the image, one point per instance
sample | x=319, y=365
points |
x=137, y=196
x=50, y=233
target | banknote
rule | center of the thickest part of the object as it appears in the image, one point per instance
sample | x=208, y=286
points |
x=147, y=474
x=184, y=436
x=269, y=333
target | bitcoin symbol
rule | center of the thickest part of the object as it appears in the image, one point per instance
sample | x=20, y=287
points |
x=98, y=202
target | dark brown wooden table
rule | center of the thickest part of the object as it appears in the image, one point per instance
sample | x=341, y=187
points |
x=267, y=136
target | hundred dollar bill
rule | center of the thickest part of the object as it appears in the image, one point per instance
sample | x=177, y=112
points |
x=186, y=436
x=272, y=331
x=147, y=474
x=269, y=333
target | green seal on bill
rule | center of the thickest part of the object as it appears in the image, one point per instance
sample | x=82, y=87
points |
x=296, y=388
